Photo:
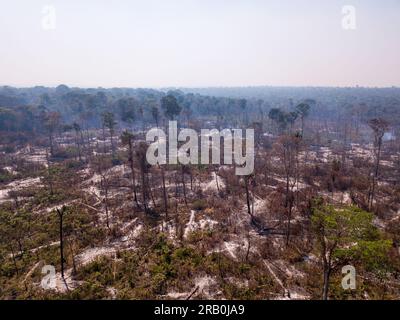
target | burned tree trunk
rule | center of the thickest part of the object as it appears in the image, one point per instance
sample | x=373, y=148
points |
x=104, y=186
x=131, y=164
x=184, y=184
x=379, y=127
x=164, y=192
x=246, y=184
x=60, y=224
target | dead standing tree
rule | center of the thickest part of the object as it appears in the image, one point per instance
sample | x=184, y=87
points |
x=52, y=123
x=247, y=181
x=60, y=213
x=101, y=163
x=288, y=149
x=78, y=140
x=379, y=127
x=183, y=172
x=144, y=169
x=165, y=196
x=109, y=123
x=127, y=139
x=105, y=187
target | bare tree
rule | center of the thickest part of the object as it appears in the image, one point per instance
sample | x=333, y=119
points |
x=379, y=127
x=110, y=123
x=247, y=181
x=164, y=191
x=288, y=152
x=183, y=168
x=127, y=139
x=105, y=187
x=78, y=135
x=143, y=165
x=60, y=213
x=49, y=177
x=52, y=123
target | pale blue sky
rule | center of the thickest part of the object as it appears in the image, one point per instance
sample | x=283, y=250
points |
x=194, y=43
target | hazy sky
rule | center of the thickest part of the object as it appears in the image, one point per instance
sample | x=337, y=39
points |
x=195, y=43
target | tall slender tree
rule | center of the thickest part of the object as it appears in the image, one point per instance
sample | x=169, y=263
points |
x=379, y=127
x=60, y=213
x=110, y=123
x=303, y=109
x=127, y=140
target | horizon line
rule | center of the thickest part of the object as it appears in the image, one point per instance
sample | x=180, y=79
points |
x=162, y=88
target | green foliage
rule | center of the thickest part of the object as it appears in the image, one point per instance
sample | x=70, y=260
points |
x=282, y=118
x=5, y=176
x=99, y=271
x=303, y=109
x=170, y=106
x=88, y=291
x=372, y=254
x=127, y=109
x=349, y=236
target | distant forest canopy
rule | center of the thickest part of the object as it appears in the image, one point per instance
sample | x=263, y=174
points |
x=27, y=110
